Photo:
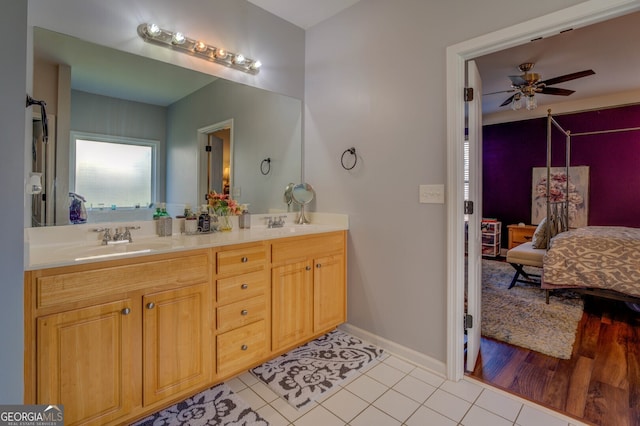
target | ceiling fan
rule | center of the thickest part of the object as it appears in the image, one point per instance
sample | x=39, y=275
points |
x=528, y=84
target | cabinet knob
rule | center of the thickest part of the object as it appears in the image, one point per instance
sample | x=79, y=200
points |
x=244, y=347
x=125, y=311
x=151, y=305
x=244, y=286
x=244, y=312
x=244, y=259
x=308, y=268
x=318, y=265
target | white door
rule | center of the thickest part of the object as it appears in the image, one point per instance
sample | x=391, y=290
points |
x=474, y=272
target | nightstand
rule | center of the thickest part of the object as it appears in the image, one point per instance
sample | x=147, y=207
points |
x=519, y=234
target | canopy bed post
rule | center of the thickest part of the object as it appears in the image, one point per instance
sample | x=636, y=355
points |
x=558, y=218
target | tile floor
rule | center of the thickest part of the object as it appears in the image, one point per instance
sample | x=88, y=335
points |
x=393, y=392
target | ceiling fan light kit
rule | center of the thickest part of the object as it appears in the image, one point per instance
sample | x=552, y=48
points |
x=527, y=84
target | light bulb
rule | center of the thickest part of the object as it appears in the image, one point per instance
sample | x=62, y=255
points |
x=221, y=54
x=532, y=103
x=200, y=46
x=239, y=59
x=255, y=65
x=178, y=38
x=516, y=104
x=153, y=30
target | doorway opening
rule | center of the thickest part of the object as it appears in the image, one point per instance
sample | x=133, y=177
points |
x=215, y=159
x=581, y=15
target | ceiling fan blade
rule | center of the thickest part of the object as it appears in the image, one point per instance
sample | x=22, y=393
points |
x=501, y=91
x=556, y=91
x=508, y=101
x=567, y=77
x=517, y=80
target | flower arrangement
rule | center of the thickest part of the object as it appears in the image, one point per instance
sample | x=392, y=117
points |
x=223, y=205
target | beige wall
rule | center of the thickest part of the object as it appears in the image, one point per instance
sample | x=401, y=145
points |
x=375, y=80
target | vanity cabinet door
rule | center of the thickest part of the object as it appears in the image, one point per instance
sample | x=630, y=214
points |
x=329, y=301
x=88, y=362
x=292, y=304
x=176, y=341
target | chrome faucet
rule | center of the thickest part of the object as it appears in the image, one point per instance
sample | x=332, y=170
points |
x=117, y=236
x=276, y=223
x=106, y=237
x=127, y=233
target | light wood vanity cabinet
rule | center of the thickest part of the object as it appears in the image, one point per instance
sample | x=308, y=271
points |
x=308, y=287
x=242, y=319
x=86, y=361
x=292, y=306
x=116, y=340
x=176, y=341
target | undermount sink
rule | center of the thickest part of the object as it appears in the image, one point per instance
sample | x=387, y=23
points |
x=121, y=249
x=290, y=229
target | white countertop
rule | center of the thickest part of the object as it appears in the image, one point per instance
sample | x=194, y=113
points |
x=54, y=246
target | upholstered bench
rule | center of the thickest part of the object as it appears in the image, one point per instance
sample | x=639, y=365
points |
x=525, y=255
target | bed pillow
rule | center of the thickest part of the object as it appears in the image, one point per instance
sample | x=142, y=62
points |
x=540, y=237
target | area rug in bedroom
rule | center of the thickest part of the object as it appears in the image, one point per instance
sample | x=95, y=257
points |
x=216, y=406
x=304, y=374
x=521, y=317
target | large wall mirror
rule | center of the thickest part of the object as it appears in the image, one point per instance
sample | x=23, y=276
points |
x=205, y=133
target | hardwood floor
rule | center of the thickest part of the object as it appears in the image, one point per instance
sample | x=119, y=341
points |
x=600, y=384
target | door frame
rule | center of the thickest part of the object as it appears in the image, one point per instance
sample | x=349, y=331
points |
x=203, y=139
x=580, y=15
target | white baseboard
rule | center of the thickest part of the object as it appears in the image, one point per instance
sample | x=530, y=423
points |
x=413, y=356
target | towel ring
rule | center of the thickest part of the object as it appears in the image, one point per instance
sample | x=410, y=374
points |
x=351, y=151
x=268, y=167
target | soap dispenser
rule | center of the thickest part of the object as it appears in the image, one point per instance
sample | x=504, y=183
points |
x=245, y=218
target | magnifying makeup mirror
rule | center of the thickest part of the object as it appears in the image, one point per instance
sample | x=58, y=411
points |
x=302, y=194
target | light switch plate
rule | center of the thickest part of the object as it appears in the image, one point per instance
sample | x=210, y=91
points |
x=432, y=194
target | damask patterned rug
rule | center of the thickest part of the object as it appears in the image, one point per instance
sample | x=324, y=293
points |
x=217, y=406
x=520, y=315
x=302, y=375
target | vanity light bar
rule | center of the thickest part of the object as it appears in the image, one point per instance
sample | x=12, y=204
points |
x=178, y=41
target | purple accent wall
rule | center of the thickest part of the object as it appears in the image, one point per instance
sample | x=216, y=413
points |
x=511, y=150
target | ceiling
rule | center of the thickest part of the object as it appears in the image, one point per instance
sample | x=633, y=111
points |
x=304, y=13
x=609, y=48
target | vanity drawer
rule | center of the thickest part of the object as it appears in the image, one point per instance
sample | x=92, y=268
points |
x=241, y=313
x=239, y=287
x=240, y=348
x=291, y=249
x=241, y=260
x=72, y=287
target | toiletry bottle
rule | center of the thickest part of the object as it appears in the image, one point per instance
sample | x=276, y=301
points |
x=204, y=221
x=156, y=214
x=245, y=218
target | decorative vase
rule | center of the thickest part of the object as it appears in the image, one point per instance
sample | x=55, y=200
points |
x=224, y=221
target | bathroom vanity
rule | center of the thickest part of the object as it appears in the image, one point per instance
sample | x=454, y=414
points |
x=114, y=338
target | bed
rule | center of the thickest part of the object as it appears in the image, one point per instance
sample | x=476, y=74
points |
x=604, y=260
